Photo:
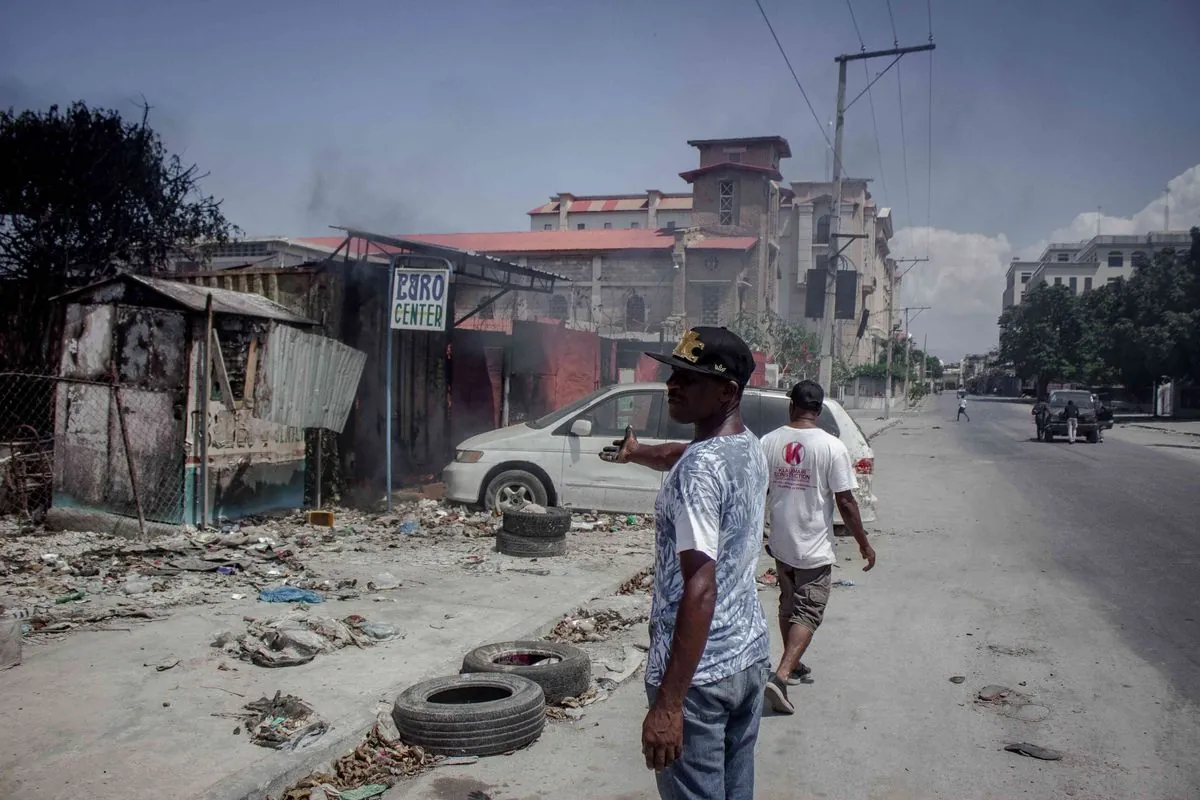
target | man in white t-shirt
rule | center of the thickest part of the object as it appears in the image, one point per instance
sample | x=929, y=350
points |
x=809, y=472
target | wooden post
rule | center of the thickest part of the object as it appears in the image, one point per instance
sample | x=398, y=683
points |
x=133, y=481
x=205, y=399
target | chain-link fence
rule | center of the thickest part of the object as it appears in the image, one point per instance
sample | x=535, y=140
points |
x=91, y=446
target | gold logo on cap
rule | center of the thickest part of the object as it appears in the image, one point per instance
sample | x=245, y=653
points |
x=689, y=347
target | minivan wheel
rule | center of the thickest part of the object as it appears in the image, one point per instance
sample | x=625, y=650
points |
x=513, y=489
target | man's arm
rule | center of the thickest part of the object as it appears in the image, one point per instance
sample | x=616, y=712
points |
x=662, y=730
x=848, y=507
x=629, y=450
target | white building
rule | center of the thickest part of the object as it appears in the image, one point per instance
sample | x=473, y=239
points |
x=1083, y=266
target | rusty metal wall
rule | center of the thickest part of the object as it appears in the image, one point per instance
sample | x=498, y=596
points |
x=307, y=381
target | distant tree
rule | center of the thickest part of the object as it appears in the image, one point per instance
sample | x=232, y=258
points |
x=1041, y=337
x=84, y=195
x=788, y=344
x=1148, y=326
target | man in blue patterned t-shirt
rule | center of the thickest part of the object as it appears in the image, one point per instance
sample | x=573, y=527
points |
x=708, y=637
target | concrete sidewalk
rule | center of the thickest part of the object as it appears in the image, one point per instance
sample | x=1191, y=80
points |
x=1178, y=427
x=98, y=720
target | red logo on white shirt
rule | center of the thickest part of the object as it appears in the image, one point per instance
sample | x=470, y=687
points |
x=793, y=453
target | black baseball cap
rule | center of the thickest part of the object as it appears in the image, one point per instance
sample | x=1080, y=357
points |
x=807, y=394
x=711, y=351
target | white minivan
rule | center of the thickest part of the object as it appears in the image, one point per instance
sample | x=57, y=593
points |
x=555, y=460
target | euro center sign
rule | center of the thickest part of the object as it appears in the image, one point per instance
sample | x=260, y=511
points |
x=419, y=299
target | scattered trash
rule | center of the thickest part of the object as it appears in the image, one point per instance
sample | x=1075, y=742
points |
x=289, y=594
x=284, y=722
x=297, y=638
x=363, y=792
x=236, y=596
x=632, y=520
x=166, y=665
x=1034, y=751
x=409, y=526
x=227, y=570
x=321, y=519
x=843, y=582
x=382, y=582
x=78, y=594
x=533, y=508
x=958, y=679
x=993, y=692
x=135, y=584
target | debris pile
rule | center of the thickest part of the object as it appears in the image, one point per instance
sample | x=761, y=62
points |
x=379, y=761
x=641, y=582
x=283, y=722
x=297, y=638
x=599, y=619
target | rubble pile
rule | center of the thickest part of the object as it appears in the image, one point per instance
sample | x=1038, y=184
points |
x=284, y=722
x=641, y=582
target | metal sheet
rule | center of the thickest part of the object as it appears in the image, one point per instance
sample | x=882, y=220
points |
x=307, y=381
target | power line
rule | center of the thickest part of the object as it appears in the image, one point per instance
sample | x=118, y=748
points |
x=871, y=98
x=892, y=17
x=929, y=161
x=903, y=145
x=796, y=78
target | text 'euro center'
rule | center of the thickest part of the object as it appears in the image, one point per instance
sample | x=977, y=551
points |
x=419, y=299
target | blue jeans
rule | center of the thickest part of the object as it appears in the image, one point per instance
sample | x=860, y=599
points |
x=720, y=728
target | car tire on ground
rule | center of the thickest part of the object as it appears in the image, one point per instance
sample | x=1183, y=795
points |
x=530, y=547
x=512, y=489
x=1093, y=437
x=551, y=525
x=482, y=714
x=560, y=669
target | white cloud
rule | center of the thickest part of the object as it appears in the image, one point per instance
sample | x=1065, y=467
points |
x=1184, y=198
x=960, y=276
x=964, y=279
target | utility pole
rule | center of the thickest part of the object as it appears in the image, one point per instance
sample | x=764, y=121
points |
x=835, y=219
x=891, y=333
x=925, y=361
x=908, y=318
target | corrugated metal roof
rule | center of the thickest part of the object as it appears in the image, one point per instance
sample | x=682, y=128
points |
x=725, y=243
x=309, y=381
x=225, y=301
x=616, y=202
x=675, y=204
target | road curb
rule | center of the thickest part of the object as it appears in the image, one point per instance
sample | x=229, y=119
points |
x=252, y=784
x=887, y=426
x=1157, y=429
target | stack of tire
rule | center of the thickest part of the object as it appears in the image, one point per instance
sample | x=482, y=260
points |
x=498, y=704
x=534, y=533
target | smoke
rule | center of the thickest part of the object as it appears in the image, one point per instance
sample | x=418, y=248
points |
x=345, y=192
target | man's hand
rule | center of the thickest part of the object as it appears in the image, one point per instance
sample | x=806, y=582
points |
x=868, y=554
x=622, y=449
x=662, y=737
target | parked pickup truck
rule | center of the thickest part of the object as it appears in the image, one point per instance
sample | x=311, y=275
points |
x=1088, y=426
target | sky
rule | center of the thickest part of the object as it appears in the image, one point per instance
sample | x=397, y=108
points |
x=1049, y=120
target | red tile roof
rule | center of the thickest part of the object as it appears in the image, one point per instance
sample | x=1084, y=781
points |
x=692, y=174
x=516, y=242
x=616, y=202
x=535, y=241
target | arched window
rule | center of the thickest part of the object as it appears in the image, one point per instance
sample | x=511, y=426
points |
x=1116, y=258
x=559, y=307
x=635, y=312
x=1139, y=258
x=823, y=230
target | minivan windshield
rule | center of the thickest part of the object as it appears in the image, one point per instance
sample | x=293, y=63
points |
x=567, y=410
x=1082, y=399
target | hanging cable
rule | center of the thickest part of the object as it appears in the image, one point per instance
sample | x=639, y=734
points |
x=800, y=86
x=871, y=98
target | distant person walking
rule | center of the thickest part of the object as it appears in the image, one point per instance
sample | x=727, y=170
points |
x=1071, y=412
x=962, y=408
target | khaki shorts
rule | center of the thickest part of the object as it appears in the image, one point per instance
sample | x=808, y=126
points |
x=803, y=594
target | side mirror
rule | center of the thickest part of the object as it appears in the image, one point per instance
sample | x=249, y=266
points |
x=581, y=427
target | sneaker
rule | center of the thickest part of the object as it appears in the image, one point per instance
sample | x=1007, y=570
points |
x=801, y=674
x=777, y=696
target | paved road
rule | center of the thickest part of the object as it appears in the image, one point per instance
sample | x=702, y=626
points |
x=1063, y=572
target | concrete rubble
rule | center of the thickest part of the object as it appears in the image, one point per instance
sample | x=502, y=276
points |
x=402, y=596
